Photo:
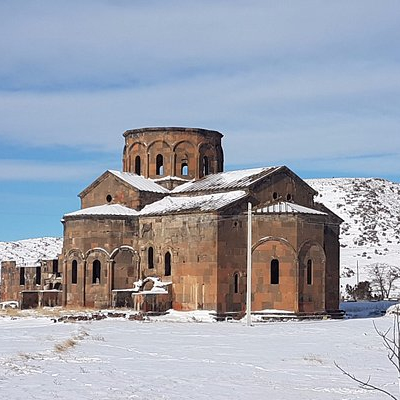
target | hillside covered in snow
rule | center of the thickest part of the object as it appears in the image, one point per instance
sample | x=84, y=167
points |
x=29, y=251
x=370, y=233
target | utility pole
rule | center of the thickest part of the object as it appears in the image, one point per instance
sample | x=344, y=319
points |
x=248, y=289
x=358, y=274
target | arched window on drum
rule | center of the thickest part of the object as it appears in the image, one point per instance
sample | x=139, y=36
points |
x=137, y=165
x=159, y=165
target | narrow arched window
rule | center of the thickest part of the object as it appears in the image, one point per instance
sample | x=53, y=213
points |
x=150, y=257
x=274, y=272
x=159, y=164
x=236, y=283
x=38, y=278
x=184, y=169
x=167, y=264
x=205, y=166
x=309, y=272
x=137, y=165
x=55, y=267
x=96, y=271
x=22, y=275
x=74, y=273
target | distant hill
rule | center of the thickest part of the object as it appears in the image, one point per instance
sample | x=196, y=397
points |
x=370, y=233
x=28, y=251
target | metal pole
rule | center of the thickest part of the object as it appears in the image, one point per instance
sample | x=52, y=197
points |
x=248, y=287
x=358, y=274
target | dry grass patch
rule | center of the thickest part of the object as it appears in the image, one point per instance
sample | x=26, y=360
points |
x=11, y=312
x=65, y=345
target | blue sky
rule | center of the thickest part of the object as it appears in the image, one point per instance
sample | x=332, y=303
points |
x=314, y=85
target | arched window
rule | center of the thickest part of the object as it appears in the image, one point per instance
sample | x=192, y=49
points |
x=167, y=262
x=55, y=267
x=38, y=279
x=184, y=169
x=22, y=275
x=137, y=165
x=236, y=283
x=150, y=257
x=74, y=273
x=309, y=272
x=205, y=167
x=96, y=271
x=159, y=164
x=274, y=272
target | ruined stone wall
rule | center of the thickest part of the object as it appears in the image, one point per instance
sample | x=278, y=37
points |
x=16, y=279
x=10, y=282
x=183, y=151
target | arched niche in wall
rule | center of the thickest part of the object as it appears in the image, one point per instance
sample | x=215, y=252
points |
x=125, y=266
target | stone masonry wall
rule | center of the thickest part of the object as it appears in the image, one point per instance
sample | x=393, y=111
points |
x=191, y=241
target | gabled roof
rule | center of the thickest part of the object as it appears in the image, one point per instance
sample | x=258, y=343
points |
x=136, y=181
x=209, y=202
x=105, y=210
x=231, y=180
x=285, y=207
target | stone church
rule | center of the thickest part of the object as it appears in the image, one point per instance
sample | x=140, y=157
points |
x=170, y=231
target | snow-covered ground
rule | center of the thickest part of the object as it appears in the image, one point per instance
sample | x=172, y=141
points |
x=161, y=359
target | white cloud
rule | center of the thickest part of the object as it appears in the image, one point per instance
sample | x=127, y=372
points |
x=298, y=80
x=99, y=43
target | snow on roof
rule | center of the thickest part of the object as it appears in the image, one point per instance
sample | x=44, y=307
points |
x=105, y=209
x=139, y=182
x=285, y=207
x=240, y=179
x=209, y=202
x=171, y=178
